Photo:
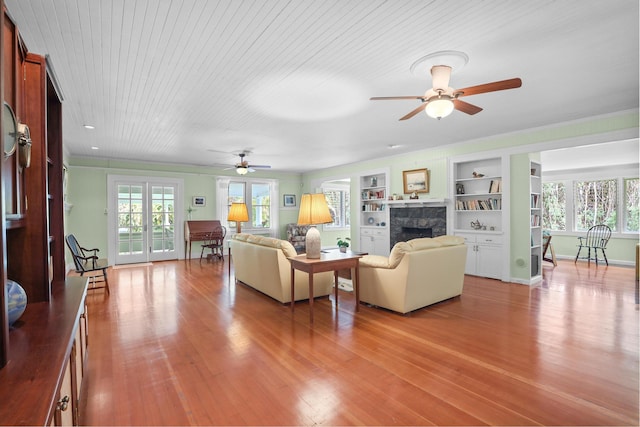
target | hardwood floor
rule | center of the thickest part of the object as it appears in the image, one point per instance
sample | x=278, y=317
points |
x=178, y=343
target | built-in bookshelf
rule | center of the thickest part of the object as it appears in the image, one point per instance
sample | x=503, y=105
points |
x=478, y=195
x=478, y=214
x=535, y=203
x=374, y=212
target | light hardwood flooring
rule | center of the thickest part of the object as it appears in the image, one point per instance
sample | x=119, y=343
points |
x=180, y=343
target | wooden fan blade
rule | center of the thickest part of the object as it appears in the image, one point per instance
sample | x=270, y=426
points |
x=465, y=107
x=414, y=112
x=490, y=87
x=388, y=98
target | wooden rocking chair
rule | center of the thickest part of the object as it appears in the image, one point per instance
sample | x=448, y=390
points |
x=87, y=261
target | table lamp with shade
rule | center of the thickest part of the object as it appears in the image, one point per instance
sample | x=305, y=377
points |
x=313, y=210
x=238, y=213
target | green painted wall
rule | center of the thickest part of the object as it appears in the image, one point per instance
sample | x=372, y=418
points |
x=88, y=183
x=520, y=217
x=87, y=192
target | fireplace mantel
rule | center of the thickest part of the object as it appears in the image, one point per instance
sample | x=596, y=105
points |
x=415, y=202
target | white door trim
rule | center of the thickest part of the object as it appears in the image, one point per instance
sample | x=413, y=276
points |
x=112, y=209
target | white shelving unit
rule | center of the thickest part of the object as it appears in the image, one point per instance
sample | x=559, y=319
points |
x=536, y=221
x=478, y=200
x=374, y=212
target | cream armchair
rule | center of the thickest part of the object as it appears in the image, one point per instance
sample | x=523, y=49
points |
x=416, y=274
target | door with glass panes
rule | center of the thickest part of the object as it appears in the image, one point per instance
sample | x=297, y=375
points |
x=146, y=229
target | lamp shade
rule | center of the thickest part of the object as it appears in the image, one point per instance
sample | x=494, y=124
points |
x=238, y=213
x=314, y=210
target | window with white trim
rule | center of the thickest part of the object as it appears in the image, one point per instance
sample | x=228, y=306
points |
x=578, y=204
x=338, y=199
x=257, y=196
x=263, y=215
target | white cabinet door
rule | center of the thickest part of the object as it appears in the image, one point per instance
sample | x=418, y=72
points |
x=470, y=266
x=484, y=255
x=367, y=244
x=489, y=261
x=380, y=246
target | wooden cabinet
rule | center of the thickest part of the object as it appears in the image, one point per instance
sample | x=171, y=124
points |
x=32, y=223
x=374, y=212
x=47, y=344
x=35, y=257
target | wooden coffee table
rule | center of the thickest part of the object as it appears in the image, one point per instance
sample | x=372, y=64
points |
x=328, y=261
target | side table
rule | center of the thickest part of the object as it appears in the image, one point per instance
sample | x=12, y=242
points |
x=328, y=261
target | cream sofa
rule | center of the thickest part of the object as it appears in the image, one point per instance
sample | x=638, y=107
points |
x=416, y=274
x=261, y=262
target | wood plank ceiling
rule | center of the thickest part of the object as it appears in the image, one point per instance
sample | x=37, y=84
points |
x=192, y=81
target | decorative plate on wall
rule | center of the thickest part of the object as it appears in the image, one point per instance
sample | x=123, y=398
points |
x=371, y=220
x=10, y=134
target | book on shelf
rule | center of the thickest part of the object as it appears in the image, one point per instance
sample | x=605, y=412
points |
x=535, y=200
x=490, y=204
x=495, y=186
x=535, y=220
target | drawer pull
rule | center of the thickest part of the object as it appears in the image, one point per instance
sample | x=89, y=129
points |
x=63, y=403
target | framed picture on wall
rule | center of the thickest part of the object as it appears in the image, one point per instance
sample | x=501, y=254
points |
x=289, y=200
x=199, y=201
x=416, y=180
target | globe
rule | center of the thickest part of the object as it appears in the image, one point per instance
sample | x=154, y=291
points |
x=16, y=301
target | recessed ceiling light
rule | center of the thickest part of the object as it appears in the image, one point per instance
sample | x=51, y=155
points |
x=392, y=146
x=89, y=127
x=95, y=148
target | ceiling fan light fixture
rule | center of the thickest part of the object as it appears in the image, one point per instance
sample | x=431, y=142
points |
x=440, y=75
x=241, y=170
x=439, y=107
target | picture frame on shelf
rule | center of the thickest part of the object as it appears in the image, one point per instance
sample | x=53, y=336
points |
x=199, y=201
x=415, y=181
x=459, y=188
x=289, y=200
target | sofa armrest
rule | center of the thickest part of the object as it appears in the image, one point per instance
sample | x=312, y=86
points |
x=374, y=261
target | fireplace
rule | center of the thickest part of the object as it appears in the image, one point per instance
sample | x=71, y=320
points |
x=408, y=223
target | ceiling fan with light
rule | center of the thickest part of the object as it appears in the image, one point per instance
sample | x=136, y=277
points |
x=441, y=100
x=243, y=167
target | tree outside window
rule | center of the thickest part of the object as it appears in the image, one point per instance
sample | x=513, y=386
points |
x=596, y=202
x=554, y=215
x=632, y=204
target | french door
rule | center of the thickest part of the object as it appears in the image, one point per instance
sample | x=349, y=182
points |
x=143, y=218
